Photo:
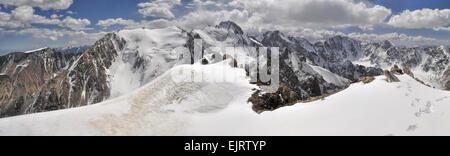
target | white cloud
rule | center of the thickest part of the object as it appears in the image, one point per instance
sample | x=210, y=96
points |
x=40, y=33
x=202, y=18
x=74, y=38
x=131, y=24
x=115, y=21
x=75, y=24
x=441, y=28
x=424, y=18
x=400, y=39
x=43, y=4
x=314, y=13
x=23, y=16
x=82, y=38
x=158, y=8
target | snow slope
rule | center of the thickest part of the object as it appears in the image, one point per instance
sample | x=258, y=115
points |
x=170, y=106
x=378, y=108
x=158, y=108
x=148, y=53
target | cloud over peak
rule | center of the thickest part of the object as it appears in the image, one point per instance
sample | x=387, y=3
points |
x=424, y=18
x=322, y=13
x=158, y=8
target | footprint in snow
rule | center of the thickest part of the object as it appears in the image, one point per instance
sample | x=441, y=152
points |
x=442, y=99
x=428, y=109
x=418, y=114
x=417, y=99
x=412, y=128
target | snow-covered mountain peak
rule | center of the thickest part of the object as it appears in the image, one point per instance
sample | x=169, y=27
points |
x=153, y=40
x=276, y=39
x=444, y=49
x=343, y=40
x=231, y=27
x=275, y=34
x=146, y=54
x=385, y=45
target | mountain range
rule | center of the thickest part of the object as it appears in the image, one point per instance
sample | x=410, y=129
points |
x=124, y=61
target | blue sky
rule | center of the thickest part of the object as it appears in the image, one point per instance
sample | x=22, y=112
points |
x=25, y=24
x=399, y=5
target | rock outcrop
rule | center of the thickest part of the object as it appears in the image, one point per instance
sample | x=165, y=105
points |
x=24, y=75
x=284, y=96
x=408, y=71
x=367, y=80
x=390, y=77
x=396, y=70
x=447, y=79
x=84, y=82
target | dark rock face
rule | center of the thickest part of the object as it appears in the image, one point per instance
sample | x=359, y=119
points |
x=447, y=79
x=408, y=71
x=24, y=76
x=353, y=72
x=271, y=101
x=337, y=54
x=298, y=82
x=205, y=61
x=47, y=80
x=73, y=50
x=339, y=48
x=85, y=82
x=300, y=79
x=438, y=60
x=190, y=44
x=396, y=70
x=390, y=77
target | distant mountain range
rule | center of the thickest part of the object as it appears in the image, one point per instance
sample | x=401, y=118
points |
x=121, y=62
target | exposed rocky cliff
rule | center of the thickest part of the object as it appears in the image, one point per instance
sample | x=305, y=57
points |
x=24, y=74
x=84, y=82
x=46, y=80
